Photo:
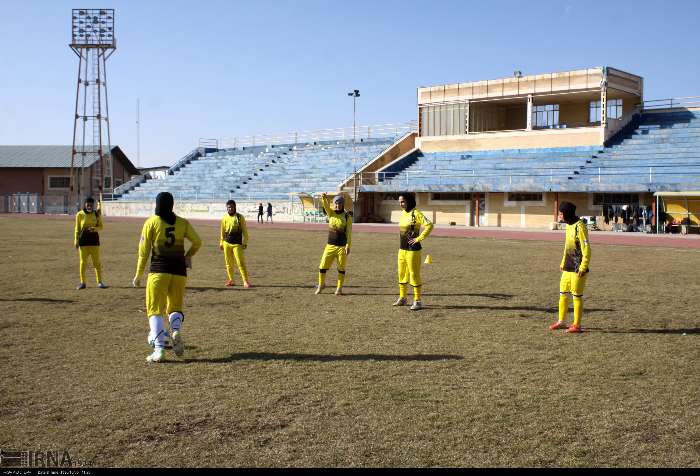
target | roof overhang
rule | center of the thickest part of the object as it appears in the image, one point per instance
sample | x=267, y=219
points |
x=677, y=194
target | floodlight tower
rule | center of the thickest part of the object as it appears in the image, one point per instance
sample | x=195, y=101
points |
x=354, y=94
x=93, y=41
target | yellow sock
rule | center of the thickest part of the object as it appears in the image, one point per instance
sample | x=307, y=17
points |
x=578, y=310
x=416, y=293
x=563, y=306
x=341, y=278
x=322, y=278
x=402, y=290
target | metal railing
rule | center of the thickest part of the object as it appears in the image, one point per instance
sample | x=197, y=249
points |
x=670, y=103
x=408, y=178
x=384, y=130
x=411, y=178
x=219, y=196
x=190, y=156
x=131, y=184
x=646, y=173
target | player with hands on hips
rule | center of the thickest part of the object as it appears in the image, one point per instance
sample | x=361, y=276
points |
x=233, y=239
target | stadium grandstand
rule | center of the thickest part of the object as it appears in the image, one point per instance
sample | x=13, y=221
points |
x=500, y=153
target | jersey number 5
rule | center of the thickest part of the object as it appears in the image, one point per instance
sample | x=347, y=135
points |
x=170, y=233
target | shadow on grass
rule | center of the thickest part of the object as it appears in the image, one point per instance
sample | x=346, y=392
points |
x=239, y=286
x=271, y=356
x=500, y=297
x=301, y=286
x=221, y=288
x=695, y=330
x=38, y=299
x=548, y=310
x=313, y=286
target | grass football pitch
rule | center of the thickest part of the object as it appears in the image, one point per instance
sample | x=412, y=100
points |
x=276, y=376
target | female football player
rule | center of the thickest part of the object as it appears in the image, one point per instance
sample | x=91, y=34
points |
x=163, y=239
x=232, y=241
x=86, y=239
x=410, y=238
x=339, y=239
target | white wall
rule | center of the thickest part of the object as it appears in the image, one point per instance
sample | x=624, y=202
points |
x=282, y=210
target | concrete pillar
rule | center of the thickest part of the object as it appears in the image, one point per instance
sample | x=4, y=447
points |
x=529, y=112
x=604, y=104
x=466, y=118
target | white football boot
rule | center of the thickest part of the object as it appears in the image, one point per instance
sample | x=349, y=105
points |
x=417, y=306
x=158, y=355
x=400, y=302
x=178, y=344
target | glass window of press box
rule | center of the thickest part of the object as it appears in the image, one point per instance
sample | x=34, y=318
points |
x=614, y=110
x=444, y=120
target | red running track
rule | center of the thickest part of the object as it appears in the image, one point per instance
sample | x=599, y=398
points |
x=597, y=237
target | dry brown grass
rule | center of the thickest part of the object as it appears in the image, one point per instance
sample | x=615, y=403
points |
x=275, y=376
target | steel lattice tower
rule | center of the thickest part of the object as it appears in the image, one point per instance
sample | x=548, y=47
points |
x=93, y=41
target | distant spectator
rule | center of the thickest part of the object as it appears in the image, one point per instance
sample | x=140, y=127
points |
x=260, y=213
x=269, y=212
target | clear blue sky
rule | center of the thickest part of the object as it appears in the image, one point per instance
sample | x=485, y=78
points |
x=233, y=68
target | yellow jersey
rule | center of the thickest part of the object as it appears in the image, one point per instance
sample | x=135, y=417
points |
x=409, y=227
x=166, y=245
x=577, y=250
x=86, y=228
x=339, y=225
x=234, y=230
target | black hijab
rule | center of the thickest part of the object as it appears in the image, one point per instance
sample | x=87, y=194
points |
x=410, y=201
x=164, y=207
x=568, y=210
x=231, y=202
x=89, y=200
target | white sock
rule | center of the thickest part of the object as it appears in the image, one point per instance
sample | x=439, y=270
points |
x=176, y=319
x=157, y=337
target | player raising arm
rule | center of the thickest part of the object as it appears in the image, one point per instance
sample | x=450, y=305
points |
x=163, y=239
x=339, y=239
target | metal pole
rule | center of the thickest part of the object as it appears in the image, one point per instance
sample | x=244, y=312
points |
x=354, y=149
x=138, y=132
x=75, y=126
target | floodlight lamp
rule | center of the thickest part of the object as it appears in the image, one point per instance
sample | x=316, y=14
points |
x=93, y=28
